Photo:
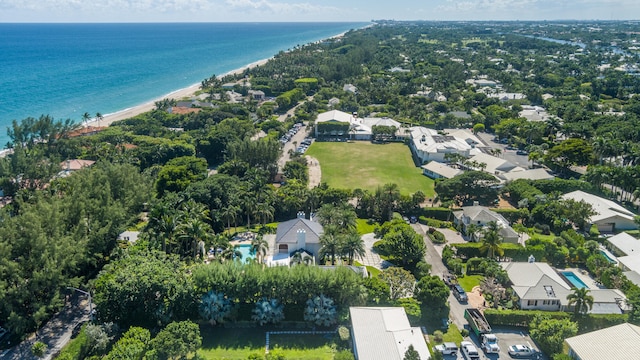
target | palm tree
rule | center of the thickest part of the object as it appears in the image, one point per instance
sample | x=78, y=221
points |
x=472, y=230
x=581, y=300
x=491, y=240
x=99, y=117
x=195, y=233
x=329, y=243
x=265, y=211
x=166, y=227
x=230, y=212
x=85, y=118
x=259, y=246
x=231, y=253
x=352, y=245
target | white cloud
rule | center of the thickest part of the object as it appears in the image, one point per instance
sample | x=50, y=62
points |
x=110, y=5
x=277, y=7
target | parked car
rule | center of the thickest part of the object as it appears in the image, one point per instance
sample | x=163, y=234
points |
x=521, y=351
x=469, y=350
x=447, y=348
x=413, y=219
x=459, y=293
x=522, y=152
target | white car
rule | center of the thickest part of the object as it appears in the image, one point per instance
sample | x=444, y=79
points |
x=469, y=350
x=518, y=351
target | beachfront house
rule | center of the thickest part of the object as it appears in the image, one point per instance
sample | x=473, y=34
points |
x=384, y=333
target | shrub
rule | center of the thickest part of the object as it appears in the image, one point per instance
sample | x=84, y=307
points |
x=39, y=349
x=438, y=336
x=343, y=355
x=437, y=237
x=343, y=333
x=464, y=333
x=439, y=213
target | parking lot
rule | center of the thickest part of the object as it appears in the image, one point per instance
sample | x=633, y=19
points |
x=506, y=338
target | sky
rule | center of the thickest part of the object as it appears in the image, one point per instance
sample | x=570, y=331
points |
x=312, y=10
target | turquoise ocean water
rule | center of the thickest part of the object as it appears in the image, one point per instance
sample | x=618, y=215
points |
x=65, y=70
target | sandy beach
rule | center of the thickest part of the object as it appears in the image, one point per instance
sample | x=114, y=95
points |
x=187, y=92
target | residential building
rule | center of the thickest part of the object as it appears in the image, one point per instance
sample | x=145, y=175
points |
x=384, y=333
x=504, y=96
x=129, y=236
x=296, y=235
x=626, y=248
x=76, y=164
x=540, y=287
x=609, y=217
x=350, y=88
x=437, y=170
x=429, y=145
x=531, y=174
x=494, y=165
x=257, y=95
x=619, y=342
x=481, y=216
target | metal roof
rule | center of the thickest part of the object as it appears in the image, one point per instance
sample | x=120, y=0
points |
x=619, y=342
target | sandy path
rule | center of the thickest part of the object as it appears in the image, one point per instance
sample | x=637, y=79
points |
x=314, y=171
x=187, y=92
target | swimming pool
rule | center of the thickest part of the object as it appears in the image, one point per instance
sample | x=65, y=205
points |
x=574, y=279
x=609, y=259
x=247, y=254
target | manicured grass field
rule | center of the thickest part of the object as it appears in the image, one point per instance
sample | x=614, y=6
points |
x=238, y=343
x=361, y=164
x=468, y=282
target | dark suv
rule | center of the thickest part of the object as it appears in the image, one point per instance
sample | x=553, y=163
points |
x=459, y=293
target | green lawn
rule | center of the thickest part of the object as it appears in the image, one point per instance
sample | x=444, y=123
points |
x=364, y=227
x=452, y=335
x=468, y=282
x=238, y=343
x=364, y=165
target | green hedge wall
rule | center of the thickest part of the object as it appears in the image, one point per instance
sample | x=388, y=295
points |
x=439, y=213
x=522, y=318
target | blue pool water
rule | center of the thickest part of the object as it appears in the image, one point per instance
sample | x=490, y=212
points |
x=574, y=279
x=247, y=254
x=607, y=256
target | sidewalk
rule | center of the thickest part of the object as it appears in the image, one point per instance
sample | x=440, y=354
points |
x=56, y=333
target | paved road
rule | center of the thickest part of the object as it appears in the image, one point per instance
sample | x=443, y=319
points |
x=437, y=268
x=56, y=333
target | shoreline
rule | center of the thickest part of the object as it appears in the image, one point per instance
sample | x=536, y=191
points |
x=179, y=94
x=186, y=92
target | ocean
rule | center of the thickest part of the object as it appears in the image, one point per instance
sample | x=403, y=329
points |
x=65, y=70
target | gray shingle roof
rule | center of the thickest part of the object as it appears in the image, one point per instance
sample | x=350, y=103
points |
x=287, y=231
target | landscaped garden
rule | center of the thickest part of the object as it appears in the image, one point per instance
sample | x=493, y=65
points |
x=366, y=166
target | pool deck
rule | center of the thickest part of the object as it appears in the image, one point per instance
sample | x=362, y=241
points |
x=584, y=276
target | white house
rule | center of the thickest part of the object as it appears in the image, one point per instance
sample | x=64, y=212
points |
x=619, y=342
x=494, y=165
x=531, y=174
x=350, y=88
x=540, y=287
x=436, y=170
x=384, y=333
x=609, y=217
x=627, y=250
x=297, y=235
x=481, y=216
x=428, y=145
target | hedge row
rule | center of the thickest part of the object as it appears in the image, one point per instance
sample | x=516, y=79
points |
x=439, y=213
x=434, y=222
x=522, y=318
x=512, y=251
